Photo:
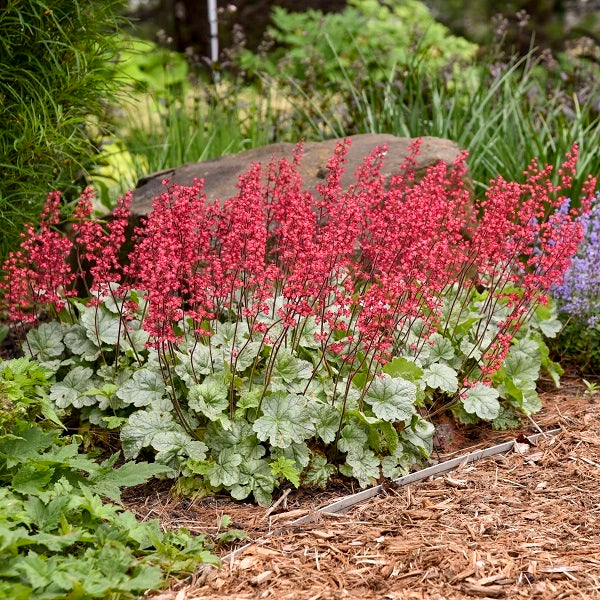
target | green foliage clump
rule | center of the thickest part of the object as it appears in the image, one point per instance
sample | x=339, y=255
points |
x=313, y=45
x=378, y=36
x=56, y=77
x=58, y=537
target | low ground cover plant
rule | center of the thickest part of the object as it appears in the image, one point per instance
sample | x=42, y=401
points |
x=59, y=535
x=282, y=336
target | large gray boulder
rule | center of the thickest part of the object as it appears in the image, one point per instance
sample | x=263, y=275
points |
x=221, y=174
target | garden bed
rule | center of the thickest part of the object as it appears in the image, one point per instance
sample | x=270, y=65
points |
x=506, y=527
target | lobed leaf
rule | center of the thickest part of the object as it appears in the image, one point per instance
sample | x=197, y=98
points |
x=285, y=420
x=392, y=399
x=144, y=388
x=442, y=377
x=482, y=400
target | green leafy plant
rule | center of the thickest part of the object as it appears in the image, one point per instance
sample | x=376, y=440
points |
x=361, y=33
x=59, y=537
x=591, y=387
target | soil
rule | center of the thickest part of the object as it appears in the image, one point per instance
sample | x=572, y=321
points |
x=525, y=525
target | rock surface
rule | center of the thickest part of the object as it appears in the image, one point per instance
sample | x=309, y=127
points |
x=221, y=174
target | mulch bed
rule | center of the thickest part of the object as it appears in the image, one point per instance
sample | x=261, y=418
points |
x=525, y=525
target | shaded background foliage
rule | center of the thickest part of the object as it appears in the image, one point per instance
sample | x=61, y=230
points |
x=56, y=81
x=186, y=21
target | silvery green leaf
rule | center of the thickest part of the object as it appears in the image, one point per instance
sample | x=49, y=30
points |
x=144, y=388
x=256, y=477
x=319, y=472
x=113, y=302
x=420, y=435
x=109, y=374
x=459, y=412
x=94, y=414
x=506, y=419
x=287, y=368
x=442, y=377
x=246, y=355
x=226, y=469
x=550, y=328
x=285, y=420
x=134, y=339
x=392, y=398
x=209, y=398
x=141, y=429
x=441, y=349
x=278, y=385
x=396, y=465
x=225, y=333
x=299, y=453
x=352, y=438
x=522, y=369
x=472, y=350
x=483, y=401
x=69, y=391
x=100, y=325
x=218, y=439
x=197, y=362
x=173, y=445
x=327, y=420
x=78, y=343
x=153, y=361
x=165, y=405
x=240, y=436
x=365, y=466
x=51, y=367
x=527, y=345
x=351, y=399
x=319, y=389
x=545, y=319
x=45, y=342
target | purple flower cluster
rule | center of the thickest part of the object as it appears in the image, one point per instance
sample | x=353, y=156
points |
x=579, y=294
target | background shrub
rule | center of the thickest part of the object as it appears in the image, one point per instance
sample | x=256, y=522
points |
x=57, y=78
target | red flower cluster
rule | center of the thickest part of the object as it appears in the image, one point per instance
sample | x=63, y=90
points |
x=367, y=263
x=38, y=275
x=97, y=248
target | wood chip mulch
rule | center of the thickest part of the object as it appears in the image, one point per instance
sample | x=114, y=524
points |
x=525, y=525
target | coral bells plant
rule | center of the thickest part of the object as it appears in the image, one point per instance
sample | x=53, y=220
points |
x=283, y=335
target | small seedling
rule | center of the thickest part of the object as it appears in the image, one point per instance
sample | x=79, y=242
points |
x=590, y=387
